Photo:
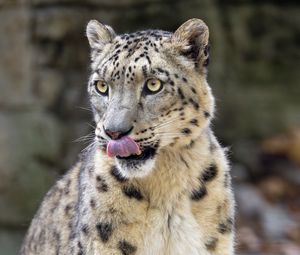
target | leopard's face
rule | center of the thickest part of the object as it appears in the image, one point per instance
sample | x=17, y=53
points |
x=151, y=87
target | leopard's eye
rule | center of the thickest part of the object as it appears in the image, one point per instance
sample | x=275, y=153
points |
x=153, y=86
x=101, y=87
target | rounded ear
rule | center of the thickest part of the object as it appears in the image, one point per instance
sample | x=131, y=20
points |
x=191, y=40
x=99, y=34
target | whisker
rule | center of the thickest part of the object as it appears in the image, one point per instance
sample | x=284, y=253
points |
x=84, y=138
x=88, y=147
x=84, y=108
x=167, y=121
x=169, y=136
x=169, y=133
x=160, y=125
x=94, y=127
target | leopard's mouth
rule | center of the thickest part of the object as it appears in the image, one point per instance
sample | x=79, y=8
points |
x=137, y=166
x=147, y=153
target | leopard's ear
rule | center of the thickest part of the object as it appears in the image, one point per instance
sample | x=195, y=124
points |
x=99, y=34
x=191, y=40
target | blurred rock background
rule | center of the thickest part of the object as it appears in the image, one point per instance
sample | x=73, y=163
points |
x=254, y=73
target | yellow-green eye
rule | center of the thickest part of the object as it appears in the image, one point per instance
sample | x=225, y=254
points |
x=153, y=85
x=101, y=87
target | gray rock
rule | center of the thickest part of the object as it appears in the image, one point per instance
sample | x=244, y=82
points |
x=31, y=145
x=48, y=86
x=110, y=3
x=250, y=201
x=58, y=23
x=10, y=241
x=276, y=221
x=15, y=61
x=239, y=173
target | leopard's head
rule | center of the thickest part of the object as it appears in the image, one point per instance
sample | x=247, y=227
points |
x=149, y=87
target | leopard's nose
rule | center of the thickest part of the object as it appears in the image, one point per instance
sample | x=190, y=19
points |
x=116, y=134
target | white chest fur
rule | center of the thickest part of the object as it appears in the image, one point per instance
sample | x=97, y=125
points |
x=175, y=234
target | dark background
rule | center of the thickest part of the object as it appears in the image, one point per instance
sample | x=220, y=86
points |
x=254, y=73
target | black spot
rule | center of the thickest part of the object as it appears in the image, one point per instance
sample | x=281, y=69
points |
x=168, y=112
x=210, y=173
x=186, y=131
x=193, y=90
x=132, y=192
x=140, y=104
x=206, y=54
x=127, y=248
x=184, y=161
x=199, y=193
x=169, y=220
x=85, y=229
x=226, y=226
x=211, y=244
x=101, y=184
x=117, y=175
x=104, y=231
x=104, y=71
x=144, y=130
x=206, y=114
x=195, y=104
x=184, y=102
x=194, y=122
x=160, y=70
x=72, y=235
x=180, y=94
x=68, y=208
x=92, y=203
x=80, y=252
x=144, y=69
x=148, y=59
x=191, y=144
x=184, y=79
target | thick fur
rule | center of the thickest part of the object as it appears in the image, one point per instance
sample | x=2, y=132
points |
x=177, y=202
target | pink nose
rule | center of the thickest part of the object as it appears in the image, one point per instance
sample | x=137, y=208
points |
x=113, y=135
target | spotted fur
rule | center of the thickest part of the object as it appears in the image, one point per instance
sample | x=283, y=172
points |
x=176, y=197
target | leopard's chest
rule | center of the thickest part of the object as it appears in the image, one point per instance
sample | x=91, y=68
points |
x=159, y=233
x=173, y=234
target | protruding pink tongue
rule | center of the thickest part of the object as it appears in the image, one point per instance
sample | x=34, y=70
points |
x=123, y=147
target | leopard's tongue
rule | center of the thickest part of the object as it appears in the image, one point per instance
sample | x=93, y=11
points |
x=123, y=147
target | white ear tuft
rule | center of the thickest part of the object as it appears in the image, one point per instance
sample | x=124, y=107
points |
x=191, y=39
x=99, y=34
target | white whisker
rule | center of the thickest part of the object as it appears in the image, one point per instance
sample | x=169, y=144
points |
x=167, y=122
x=94, y=127
x=89, y=146
x=84, y=108
x=168, y=133
x=84, y=138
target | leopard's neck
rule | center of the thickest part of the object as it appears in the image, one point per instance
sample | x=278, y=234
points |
x=177, y=170
x=176, y=173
